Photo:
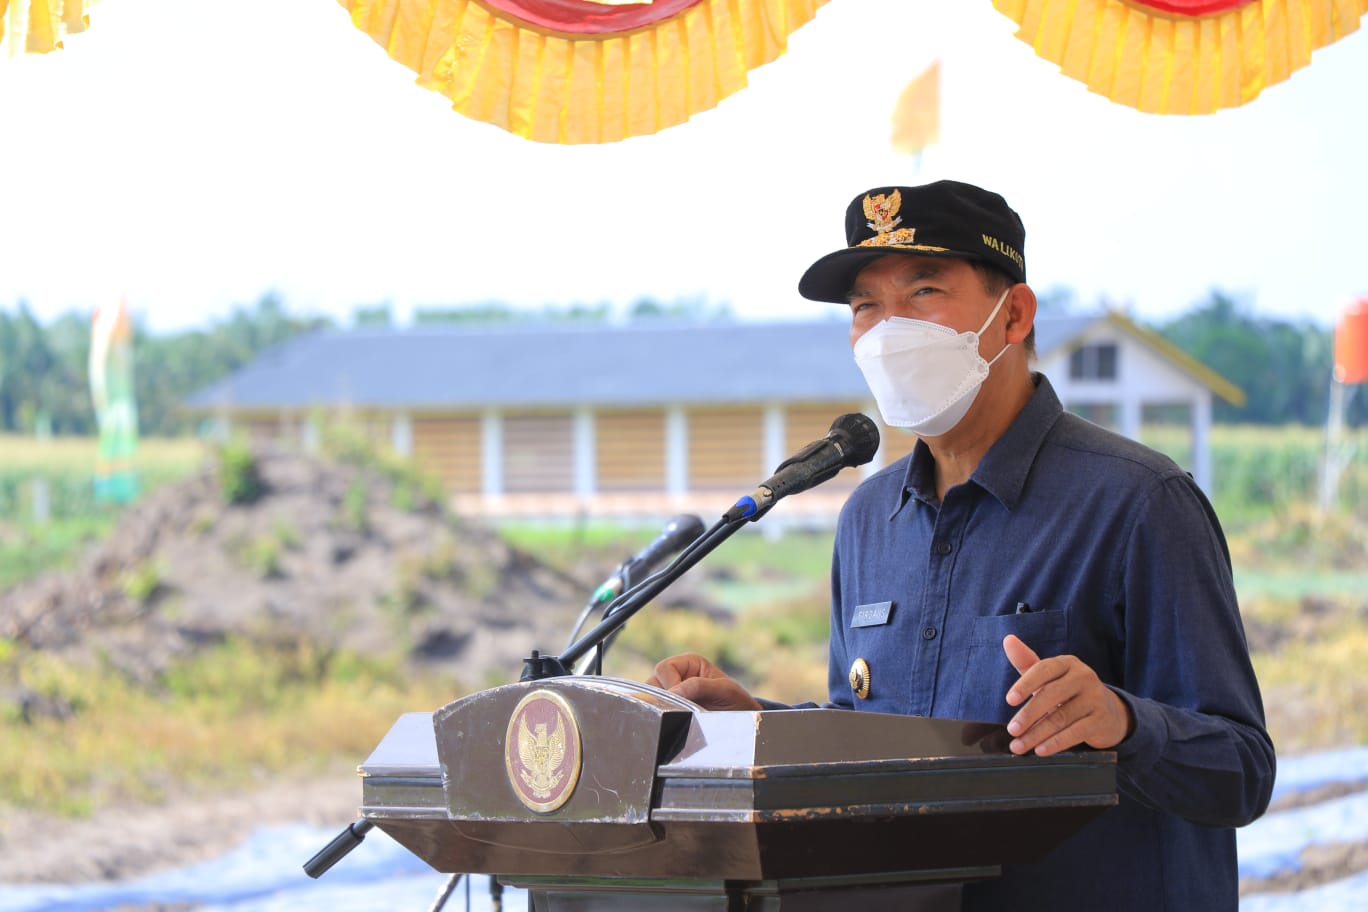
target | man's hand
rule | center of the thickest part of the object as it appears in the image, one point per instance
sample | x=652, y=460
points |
x=695, y=678
x=1068, y=704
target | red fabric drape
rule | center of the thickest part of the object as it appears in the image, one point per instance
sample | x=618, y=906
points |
x=585, y=17
x=1191, y=7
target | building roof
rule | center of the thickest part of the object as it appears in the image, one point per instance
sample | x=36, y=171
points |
x=555, y=365
x=559, y=365
x=1199, y=371
x=1064, y=332
x=1057, y=332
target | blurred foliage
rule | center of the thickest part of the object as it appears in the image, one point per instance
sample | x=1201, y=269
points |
x=355, y=511
x=239, y=480
x=221, y=718
x=141, y=581
x=43, y=369
x=262, y=556
x=691, y=309
x=1283, y=367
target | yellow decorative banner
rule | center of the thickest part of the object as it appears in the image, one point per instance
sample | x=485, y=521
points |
x=1162, y=61
x=559, y=86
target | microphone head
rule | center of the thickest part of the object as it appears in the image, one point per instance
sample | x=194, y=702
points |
x=678, y=533
x=859, y=438
x=684, y=528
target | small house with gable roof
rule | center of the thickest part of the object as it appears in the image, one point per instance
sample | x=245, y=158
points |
x=651, y=419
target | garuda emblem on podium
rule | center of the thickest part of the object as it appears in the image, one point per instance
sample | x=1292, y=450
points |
x=542, y=751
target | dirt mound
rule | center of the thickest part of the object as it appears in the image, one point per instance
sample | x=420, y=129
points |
x=336, y=554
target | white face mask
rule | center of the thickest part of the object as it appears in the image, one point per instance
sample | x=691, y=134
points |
x=924, y=376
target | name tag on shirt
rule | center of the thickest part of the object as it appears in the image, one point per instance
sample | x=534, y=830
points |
x=871, y=615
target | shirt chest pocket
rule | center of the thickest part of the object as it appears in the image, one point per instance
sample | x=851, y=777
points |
x=988, y=674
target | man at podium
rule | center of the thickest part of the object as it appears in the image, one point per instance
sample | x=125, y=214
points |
x=1025, y=567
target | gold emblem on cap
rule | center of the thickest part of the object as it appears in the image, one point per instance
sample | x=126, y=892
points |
x=859, y=678
x=882, y=212
x=543, y=765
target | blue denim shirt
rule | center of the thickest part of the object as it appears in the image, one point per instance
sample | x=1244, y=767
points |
x=1123, y=564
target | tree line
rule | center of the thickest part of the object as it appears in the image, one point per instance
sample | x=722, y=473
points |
x=44, y=379
x=1284, y=367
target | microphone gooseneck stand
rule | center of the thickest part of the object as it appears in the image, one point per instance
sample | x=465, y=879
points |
x=537, y=667
x=605, y=600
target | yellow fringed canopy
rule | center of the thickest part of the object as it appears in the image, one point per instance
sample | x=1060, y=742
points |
x=585, y=86
x=1181, y=56
x=594, y=71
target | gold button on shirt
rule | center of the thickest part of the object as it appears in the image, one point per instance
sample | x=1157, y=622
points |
x=859, y=678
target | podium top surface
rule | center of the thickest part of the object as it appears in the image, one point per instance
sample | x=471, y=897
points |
x=712, y=740
x=607, y=777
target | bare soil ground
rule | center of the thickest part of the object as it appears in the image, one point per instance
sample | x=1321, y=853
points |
x=122, y=842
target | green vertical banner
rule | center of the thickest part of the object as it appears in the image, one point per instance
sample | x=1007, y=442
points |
x=116, y=408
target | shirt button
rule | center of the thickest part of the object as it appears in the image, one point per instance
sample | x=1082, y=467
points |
x=944, y=547
x=928, y=633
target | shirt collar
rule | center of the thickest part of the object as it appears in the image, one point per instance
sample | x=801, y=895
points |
x=1005, y=467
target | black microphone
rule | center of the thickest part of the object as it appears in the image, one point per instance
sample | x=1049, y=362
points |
x=852, y=441
x=676, y=534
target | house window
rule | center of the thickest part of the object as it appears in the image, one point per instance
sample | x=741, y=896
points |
x=1093, y=362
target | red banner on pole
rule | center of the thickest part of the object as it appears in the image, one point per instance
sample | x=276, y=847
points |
x=1351, y=344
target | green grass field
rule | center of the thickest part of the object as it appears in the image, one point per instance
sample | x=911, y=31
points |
x=76, y=455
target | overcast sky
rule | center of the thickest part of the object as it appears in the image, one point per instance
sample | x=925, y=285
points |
x=193, y=154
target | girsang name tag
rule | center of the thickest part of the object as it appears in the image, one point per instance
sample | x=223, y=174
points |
x=871, y=615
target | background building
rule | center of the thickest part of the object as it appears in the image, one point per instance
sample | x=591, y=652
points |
x=649, y=419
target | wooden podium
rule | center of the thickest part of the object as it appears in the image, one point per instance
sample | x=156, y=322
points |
x=603, y=794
